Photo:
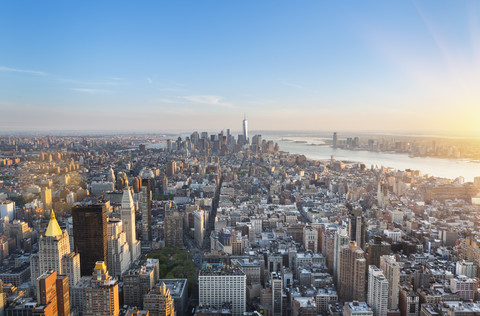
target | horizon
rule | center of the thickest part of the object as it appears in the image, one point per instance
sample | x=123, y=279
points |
x=405, y=67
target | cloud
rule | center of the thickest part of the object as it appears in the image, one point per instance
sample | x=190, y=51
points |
x=33, y=72
x=150, y=81
x=90, y=91
x=209, y=99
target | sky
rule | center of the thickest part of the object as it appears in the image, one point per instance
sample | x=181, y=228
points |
x=396, y=66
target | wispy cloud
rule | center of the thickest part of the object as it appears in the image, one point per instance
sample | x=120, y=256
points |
x=33, y=72
x=149, y=80
x=90, y=91
x=210, y=100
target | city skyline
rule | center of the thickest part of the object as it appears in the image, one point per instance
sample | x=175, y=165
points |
x=370, y=66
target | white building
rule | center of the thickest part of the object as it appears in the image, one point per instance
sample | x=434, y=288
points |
x=467, y=268
x=118, y=255
x=218, y=284
x=357, y=309
x=377, y=296
x=391, y=271
x=127, y=215
x=310, y=238
x=54, y=254
x=7, y=209
x=465, y=287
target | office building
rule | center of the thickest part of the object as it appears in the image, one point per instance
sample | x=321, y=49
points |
x=54, y=254
x=179, y=291
x=466, y=268
x=310, y=239
x=357, y=309
x=341, y=239
x=277, y=294
x=159, y=301
x=377, y=297
x=100, y=297
x=391, y=271
x=173, y=228
x=352, y=270
x=199, y=223
x=127, y=215
x=245, y=130
x=146, y=208
x=46, y=198
x=118, y=250
x=136, y=284
x=52, y=295
x=220, y=284
x=90, y=234
x=375, y=249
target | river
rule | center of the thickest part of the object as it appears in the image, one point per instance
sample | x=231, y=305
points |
x=438, y=167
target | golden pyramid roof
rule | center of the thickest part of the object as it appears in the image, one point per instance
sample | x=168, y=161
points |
x=53, y=228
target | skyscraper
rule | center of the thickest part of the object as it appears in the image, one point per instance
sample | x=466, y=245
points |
x=146, y=209
x=159, y=301
x=90, y=234
x=377, y=297
x=218, y=285
x=101, y=296
x=341, y=239
x=352, y=270
x=277, y=293
x=54, y=254
x=52, y=295
x=375, y=249
x=119, y=258
x=127, y=214
x=245, y=130
x=173, y=228
x=335, y=140
x=391, y=270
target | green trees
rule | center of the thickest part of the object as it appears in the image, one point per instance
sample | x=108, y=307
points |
x=176, y=263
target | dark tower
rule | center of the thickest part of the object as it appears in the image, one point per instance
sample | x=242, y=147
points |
x=90, y=234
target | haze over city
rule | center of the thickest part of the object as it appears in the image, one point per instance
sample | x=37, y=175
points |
x=376, y=66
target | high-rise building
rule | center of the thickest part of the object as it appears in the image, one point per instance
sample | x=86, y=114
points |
x=46, y=197
x=377, y=297
x=90, y=234
x=171, y=168
x=146, y=209
x=391, y=270
x=467, y=268
x=408, y=301
x=173, y=228
x=341, y=239
x=118, y=250
x=127, y=214
x=356, y=226
x=218, y=284
x=245, y=130
x=54, y=254
x=136, y=284
x=277, y=294
x=335, y=140
x=375, y=249
x=352, y=270
x=52, y=295
x=199, y=223
x=159, y=301
x=310, y=238
x=100, y=297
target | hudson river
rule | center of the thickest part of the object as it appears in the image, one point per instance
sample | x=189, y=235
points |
x=438, y=167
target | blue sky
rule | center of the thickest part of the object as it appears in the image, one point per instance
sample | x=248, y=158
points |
x=183, y=65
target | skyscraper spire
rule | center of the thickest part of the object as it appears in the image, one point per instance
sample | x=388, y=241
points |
x=53, y=228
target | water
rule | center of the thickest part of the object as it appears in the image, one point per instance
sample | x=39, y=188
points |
x=438, y=167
